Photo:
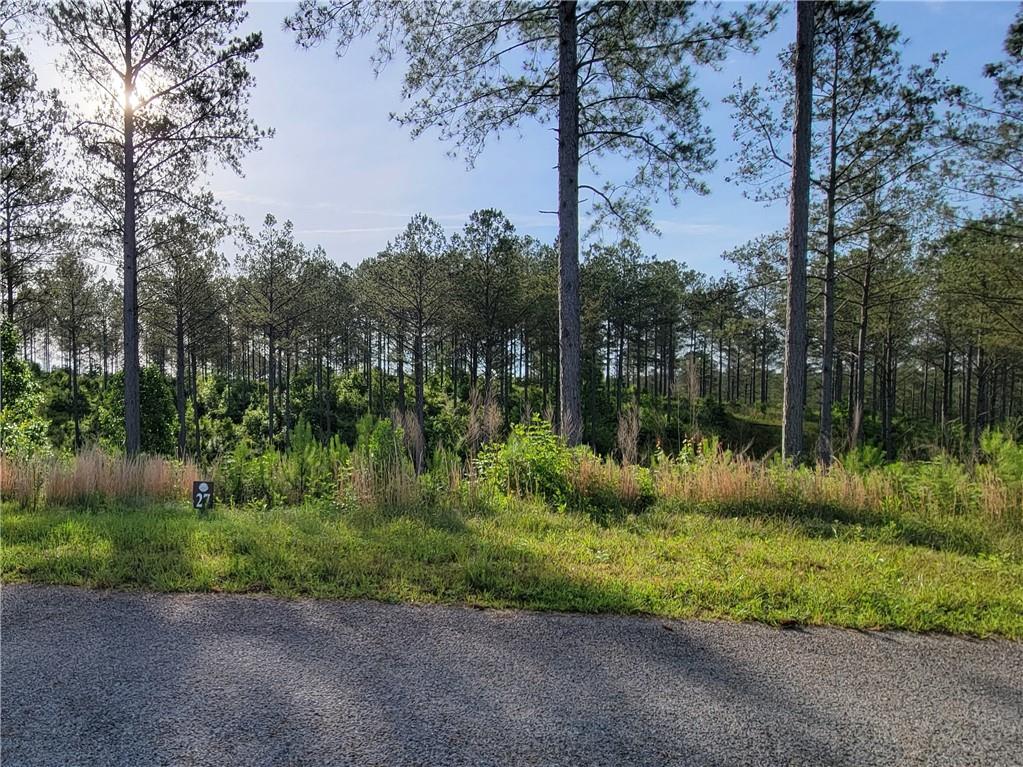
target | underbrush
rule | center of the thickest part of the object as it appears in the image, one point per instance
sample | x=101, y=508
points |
x=532, y=523
x=534, y=463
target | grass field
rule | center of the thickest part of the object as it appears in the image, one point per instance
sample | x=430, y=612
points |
x=960, y=573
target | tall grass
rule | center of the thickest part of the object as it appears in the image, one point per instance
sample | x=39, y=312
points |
x=532, y=463
x=94, y=476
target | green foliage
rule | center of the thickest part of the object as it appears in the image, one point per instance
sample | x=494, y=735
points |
x=23, y=432
x=863, y=459
x=307, y=470
x=534, y=461
x=379, y=443
x=1005, y=456
x=255, y=423
x=16, y=375
x=156, y=396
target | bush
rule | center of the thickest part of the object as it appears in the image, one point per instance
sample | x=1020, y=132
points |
x=306, y=471
x=309, y=469
x=603, y=488
x=23, y=433
x=1004, y=455
x=862, y=459
x=533, y=461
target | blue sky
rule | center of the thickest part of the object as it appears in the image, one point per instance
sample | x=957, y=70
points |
x=350, y=179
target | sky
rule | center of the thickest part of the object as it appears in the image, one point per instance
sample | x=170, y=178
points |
x=350, y=179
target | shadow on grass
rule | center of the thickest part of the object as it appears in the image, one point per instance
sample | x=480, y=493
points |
x=394, y=557
x=959, y=535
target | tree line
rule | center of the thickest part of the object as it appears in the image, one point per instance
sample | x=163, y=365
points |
x=889, y=312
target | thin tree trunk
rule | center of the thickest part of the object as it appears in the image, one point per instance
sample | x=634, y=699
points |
x=271, y=379
x=888, y=391
x=568, y=225
x=967, y=411
x=824, y=447
x=859, y=393
x=75, y=405
x=132, y=409
x=287, y=395
x=799, y=216
x=179, y=381
x=195, y=401
x=8, y=253
x=417, y=363
x=982, y=416
x=401, y=369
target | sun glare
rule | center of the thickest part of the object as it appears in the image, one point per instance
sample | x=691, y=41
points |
x=131, y=102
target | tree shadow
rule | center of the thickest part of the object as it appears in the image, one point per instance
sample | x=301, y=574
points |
x=837, y=521
x=245, y=680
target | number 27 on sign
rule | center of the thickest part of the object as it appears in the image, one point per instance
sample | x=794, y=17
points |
x=202, y=495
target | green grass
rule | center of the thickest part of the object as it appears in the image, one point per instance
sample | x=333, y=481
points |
x=959, y=574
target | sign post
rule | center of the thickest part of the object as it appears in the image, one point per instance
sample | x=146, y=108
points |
x=202, y=495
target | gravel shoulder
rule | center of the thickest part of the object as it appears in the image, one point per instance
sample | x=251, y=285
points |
x=115, y=678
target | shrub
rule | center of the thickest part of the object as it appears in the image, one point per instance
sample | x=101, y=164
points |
x=604, y=488
x=1004, y=455
x=255, y=423
x=23, y=432
x=309, y=469
x=861, y=459
x=533, y=461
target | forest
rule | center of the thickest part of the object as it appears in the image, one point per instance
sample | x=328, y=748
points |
x=864, y=365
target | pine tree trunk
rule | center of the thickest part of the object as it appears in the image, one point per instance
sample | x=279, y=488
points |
x=270, y=379
x=75, y=405
x=888, y=393
x=179, y=381
x=982, y=416
x=195, y=401
x=401, y=370
x=966, y=409
x=8, y=254
x=859, y=394
x=824, y=446
x=799, y=215
x=132, y=408
x=419, y=371
x=568, y=225
x=287, y=396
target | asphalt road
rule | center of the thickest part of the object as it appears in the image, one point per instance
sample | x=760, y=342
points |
x=100, y=678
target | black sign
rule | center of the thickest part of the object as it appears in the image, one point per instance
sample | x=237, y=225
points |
x=202, y=495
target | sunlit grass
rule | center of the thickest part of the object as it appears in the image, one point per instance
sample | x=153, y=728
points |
x=961, y=574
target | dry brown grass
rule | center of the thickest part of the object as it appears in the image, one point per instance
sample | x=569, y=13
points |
x=605, y=480
x=390, y=485
x=628, y=435
x=92, y=476
x=412, y=435
x=740, y=480
x=715, y=478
